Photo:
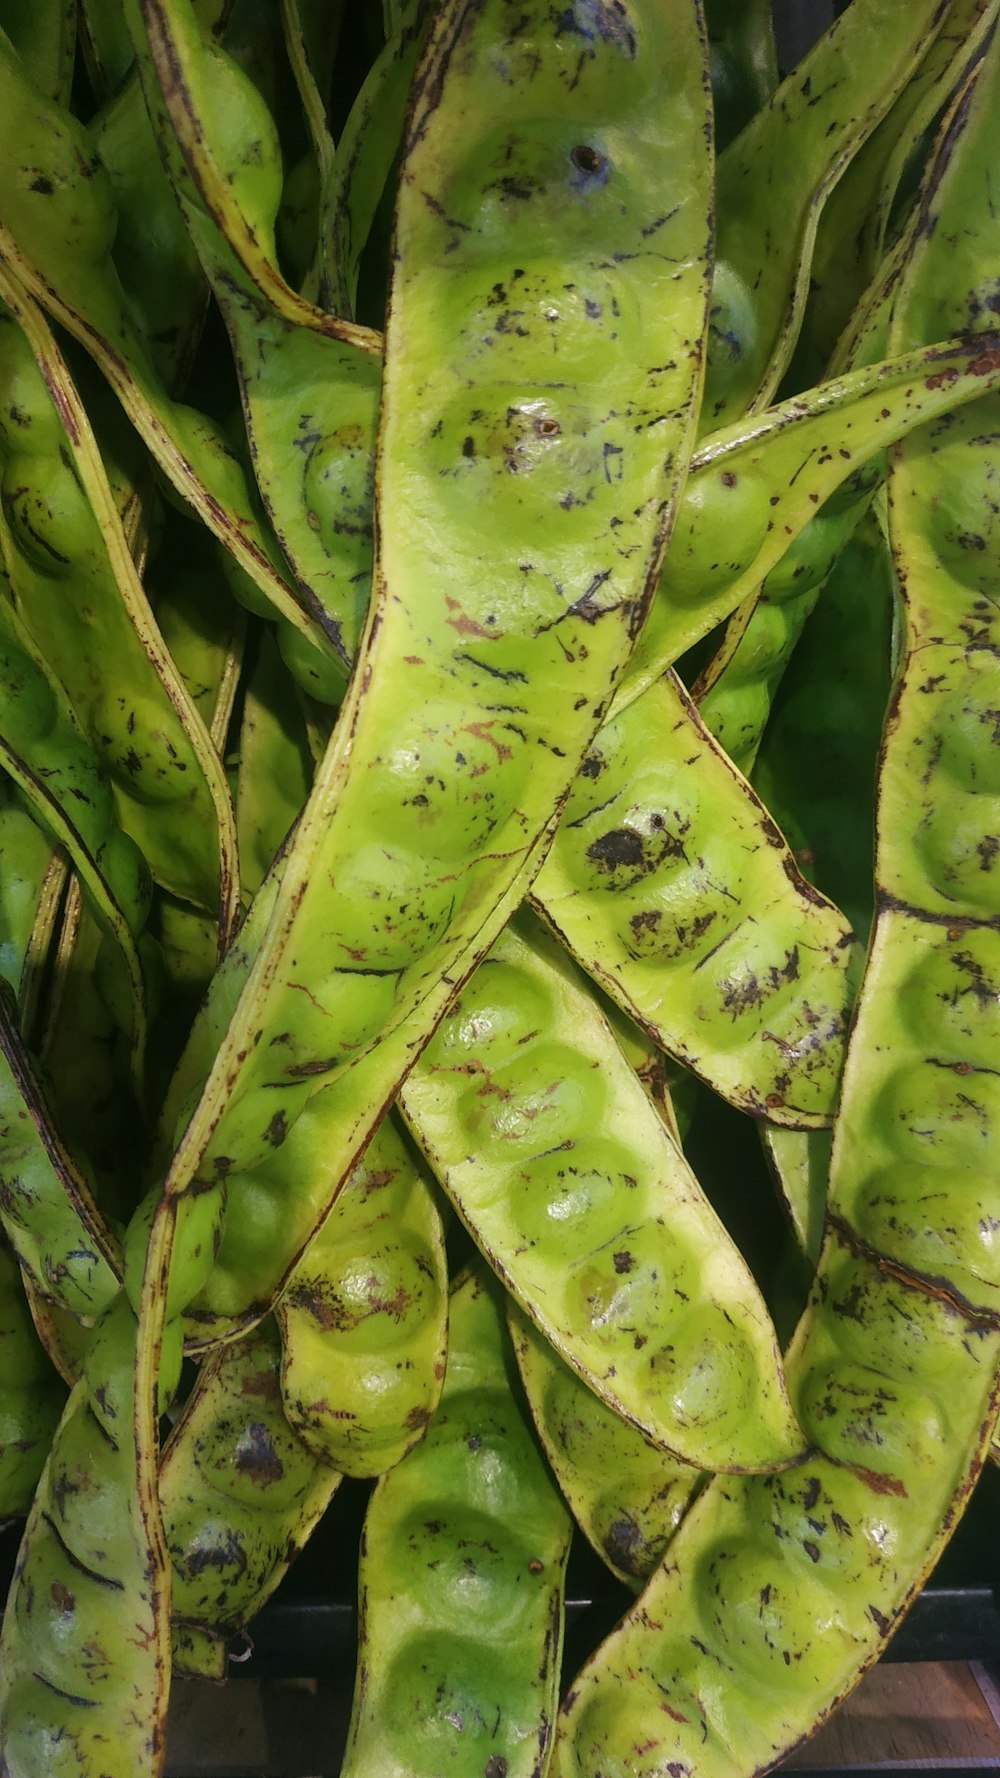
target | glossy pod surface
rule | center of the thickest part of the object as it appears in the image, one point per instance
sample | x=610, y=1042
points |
x=462, y=1567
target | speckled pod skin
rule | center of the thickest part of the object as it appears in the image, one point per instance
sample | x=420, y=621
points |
x=309, y=381
x=57, y=211
x=850, y=239
x=480, y=670
x=77, y=592
x=754, y=488
x=363, y=1318
x=84, y=1650
x=240, y=1495
x=772, y=182
x=275, y=770
x=626, y=1494
x=566, y=1176
x=776, y=1594
x=366, y=149
x=61, y=782
x=463, y=1557
x=669, y=882
x=31, y=1396
x=46, y=1204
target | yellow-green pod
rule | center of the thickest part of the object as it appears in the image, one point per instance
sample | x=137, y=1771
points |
x=626, y=1494
x=240, y=1495
x=363, y=1317
x=31, y=1395
x=461, y=1580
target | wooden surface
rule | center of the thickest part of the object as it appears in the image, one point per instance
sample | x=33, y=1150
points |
x=903, y=1718
x=940, y=1711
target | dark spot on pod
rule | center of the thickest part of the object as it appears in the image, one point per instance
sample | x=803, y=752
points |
x=62, y=1598
x=535, y=1566
x=495, y=1767
x=624, y=1263
x=276, y=1130
x=621, y=846
x=256, y=1456
x=621, y=1541
x=728, y=479
x=588, y=160
x=812, y=1550
x=42, y=185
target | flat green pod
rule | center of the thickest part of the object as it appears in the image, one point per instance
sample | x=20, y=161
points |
x=47, y=1205
x=31, y=1395
x=275, y=769
x=626, y=1494
x=240, y=1495
x=461, y=1580
x=84, y=1651
x=57, y=210
x=61, y=782
x=753, y=487
x=743, y=61
x=800, y=1162
x=44, y=37
x=567, y=1178
x=777, y=1591
x=309, y=381
x=78, y=594
x=772, y=182
x=669, y=882
x=854, y=226
x=368, y=145
x=364, y=1316
x=817, y=766
x=26, y=862
x=477, y=687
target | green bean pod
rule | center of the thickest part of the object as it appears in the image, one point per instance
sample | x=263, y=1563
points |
x=31, y=1397
x=461, y=1580
x=85, y=1643
x=777, y=1593
x=409, y=858
x=563, y=1171
x=44, y=36
x=755, y=487
x=309, y=381
x=31, y=878
x=369, y=142
x=239, y=1494
x=57, y=208
x=626, y=1494
x=275, y=769
x=669, y=882
x=853, y=228
x=170, y=790
x=743, y=61
x=46, y=1203
x=773, y=180
x=62, y=783
x=363, y=1319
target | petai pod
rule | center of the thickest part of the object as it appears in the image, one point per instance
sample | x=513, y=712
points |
x=57, y=209
x=240, y=1495
x=566, y=1176
x=78, y=593
x=772, y=182
x=462, y=1564
x=755, y=488
x=626, y=1494
x=670, y=883
x=363, y=1318
x=84, y=1650
x=31, y=1396
x=46, y=1203
x=776, y=1594
x=410, y=854
x=309, y=381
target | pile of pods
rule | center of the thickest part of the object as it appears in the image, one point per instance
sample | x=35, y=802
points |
x=500, y=529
